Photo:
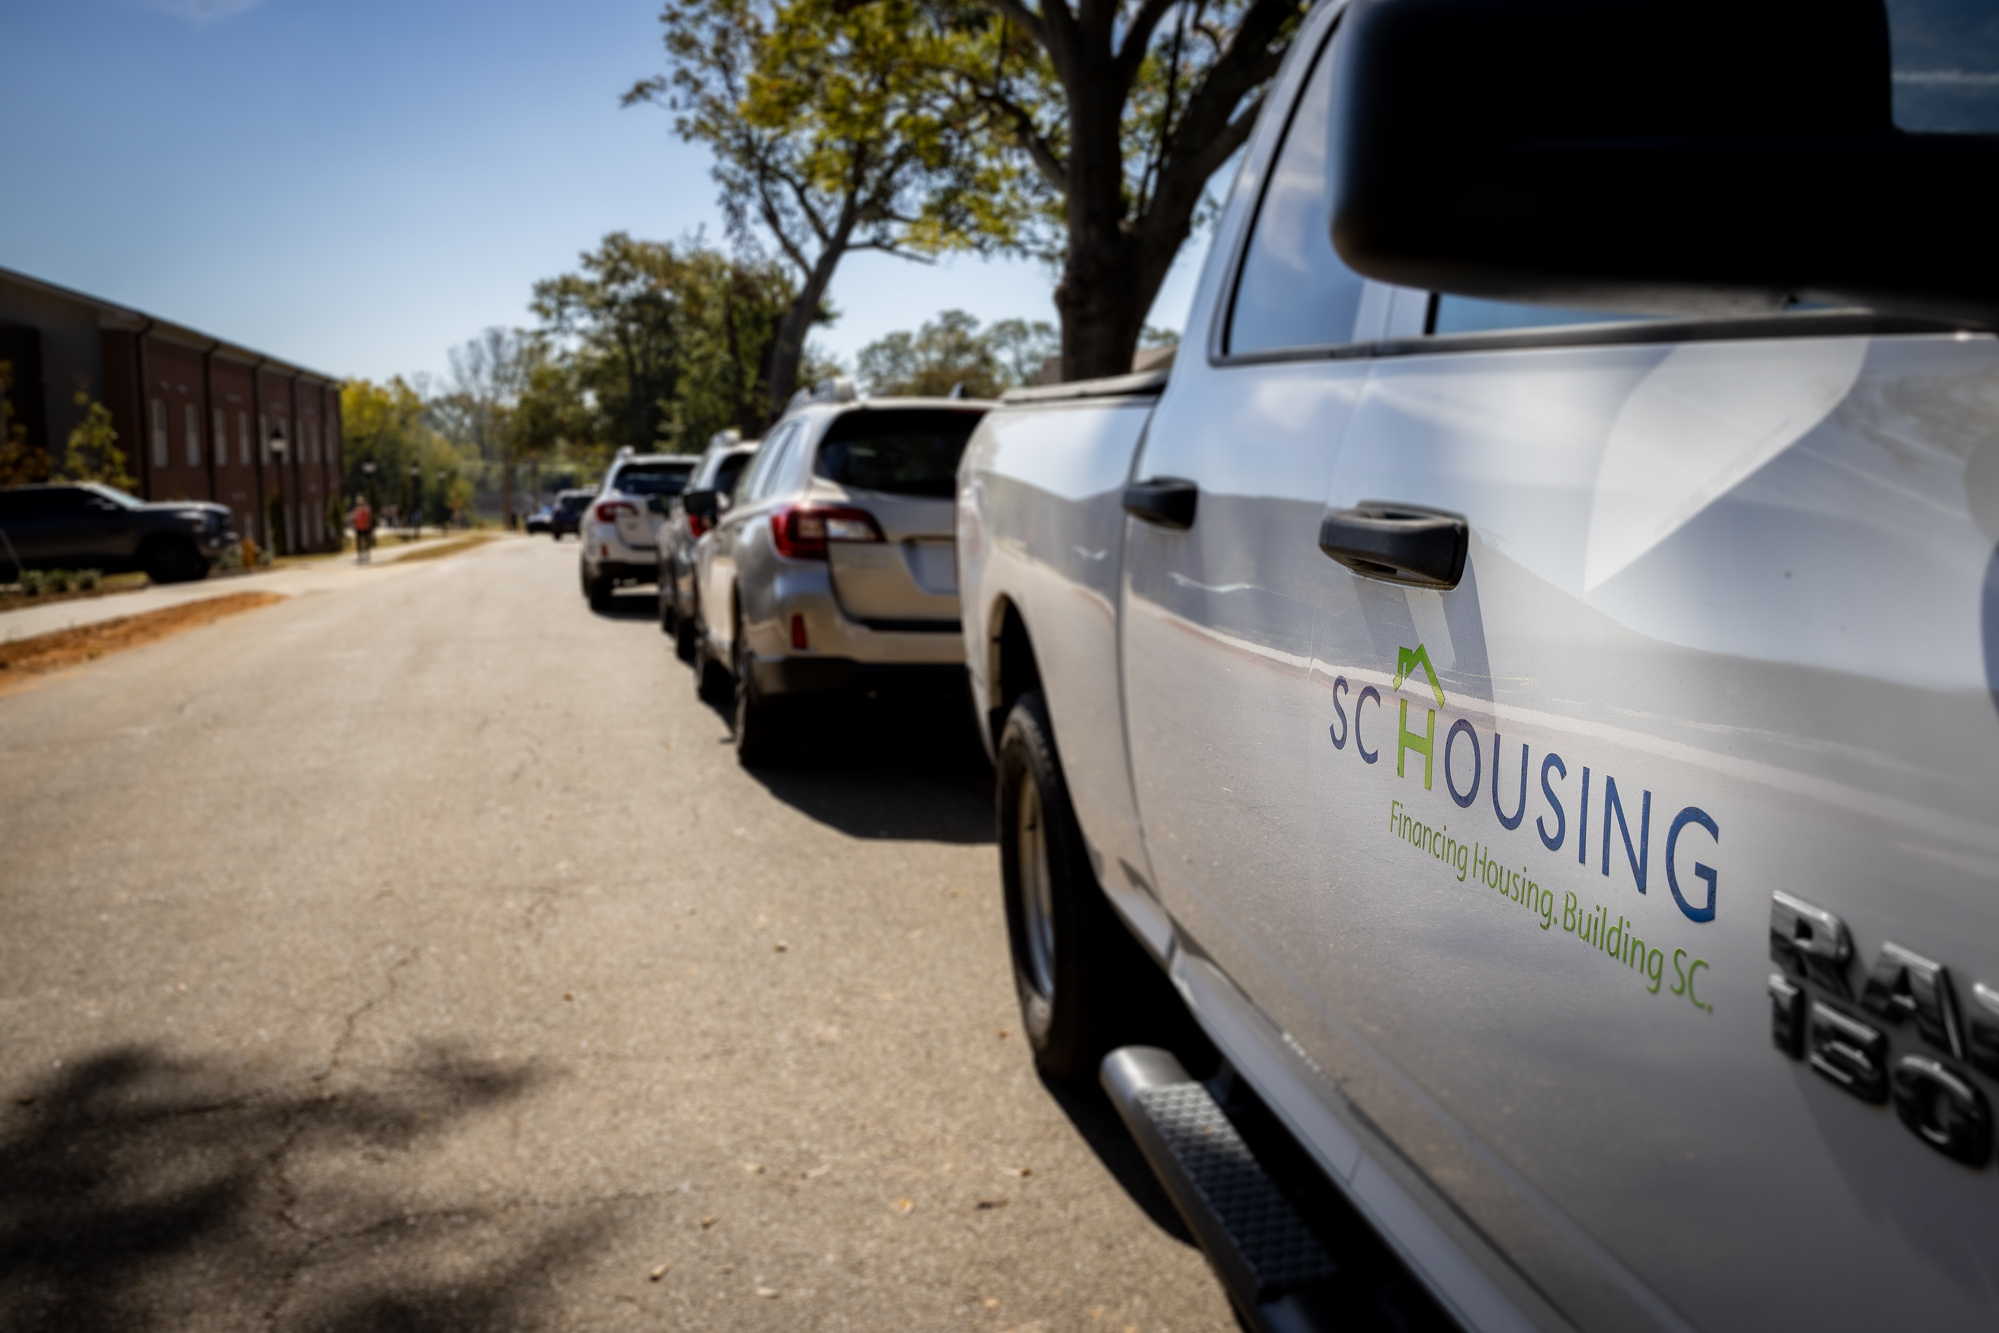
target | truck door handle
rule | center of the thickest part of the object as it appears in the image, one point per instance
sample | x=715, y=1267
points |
x=1397, y=543
x=1167, y=501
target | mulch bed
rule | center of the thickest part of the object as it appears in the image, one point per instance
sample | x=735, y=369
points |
x=55, y=651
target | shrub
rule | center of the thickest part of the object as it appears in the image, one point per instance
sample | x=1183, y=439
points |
x=34, y=582
x=86, y=579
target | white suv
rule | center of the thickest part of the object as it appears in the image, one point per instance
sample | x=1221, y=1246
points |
x=835, y=566
x=620, y=530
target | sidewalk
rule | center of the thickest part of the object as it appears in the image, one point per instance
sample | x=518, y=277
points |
x=325, y=575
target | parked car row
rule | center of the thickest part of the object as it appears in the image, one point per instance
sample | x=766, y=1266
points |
x=818, y=560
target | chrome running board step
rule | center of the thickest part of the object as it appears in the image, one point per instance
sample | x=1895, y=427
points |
x=1275, y=1270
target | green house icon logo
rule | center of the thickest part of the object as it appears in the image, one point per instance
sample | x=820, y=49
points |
x=1406, y=662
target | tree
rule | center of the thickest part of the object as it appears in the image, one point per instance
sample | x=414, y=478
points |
x=836, y=128
x=1023, y=347
x=389, y=425
x=487, y=374
x=612, y=323
x=657, y=345
x=1125, y=109
x=732, y=312
x=21, y=463
x=945, y=353
x=93, y=453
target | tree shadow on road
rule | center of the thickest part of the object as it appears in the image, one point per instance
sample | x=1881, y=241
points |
x=139, y=1191
x=906, y=767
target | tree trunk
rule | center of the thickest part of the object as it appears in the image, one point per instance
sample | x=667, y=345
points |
x=507, y=487
x=788, y=352
x=1103, y=297
x=789, y=349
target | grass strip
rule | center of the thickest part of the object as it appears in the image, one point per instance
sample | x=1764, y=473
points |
x=40, y=654
x=442, y=549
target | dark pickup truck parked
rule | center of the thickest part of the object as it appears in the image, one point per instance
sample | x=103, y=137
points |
x=89, y=526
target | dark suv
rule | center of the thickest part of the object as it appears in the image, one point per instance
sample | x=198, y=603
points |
x=89, y=526
x=566, y=514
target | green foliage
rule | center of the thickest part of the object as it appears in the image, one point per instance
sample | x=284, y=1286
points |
x=390, y=425
x=93, y=453
x=949, y=351
x=1022, y=346
x=21, y=463
x=651, y=345
x=835, y=127
x=40, y=582
x=1113, y=117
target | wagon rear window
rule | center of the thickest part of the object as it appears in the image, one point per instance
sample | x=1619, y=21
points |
x=910, y=452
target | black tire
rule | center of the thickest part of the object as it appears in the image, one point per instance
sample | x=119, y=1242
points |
x=760, y=728
x=669, y=622
x=597, y=591
x=1078, y=972
x=713, y=682
x=686, y=638
x=171, y=561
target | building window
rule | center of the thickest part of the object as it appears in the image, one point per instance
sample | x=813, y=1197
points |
x=221, y=438
x=243, y=436
x=191, y=416
x=159, y=433
x=263, y=438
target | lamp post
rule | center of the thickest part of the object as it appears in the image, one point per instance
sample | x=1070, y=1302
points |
x=416, y=498
x=284, y=504
x=443, y=499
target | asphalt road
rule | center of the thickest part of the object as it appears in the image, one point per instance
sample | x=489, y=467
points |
x=414, y=954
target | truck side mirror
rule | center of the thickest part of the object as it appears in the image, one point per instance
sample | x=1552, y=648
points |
x=699, y=504
x=1665, y=156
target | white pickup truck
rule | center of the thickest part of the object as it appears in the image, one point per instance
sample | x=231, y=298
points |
x=1554, y=755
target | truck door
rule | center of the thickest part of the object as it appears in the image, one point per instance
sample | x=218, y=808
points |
x=1702, y=741
x=1218, y=615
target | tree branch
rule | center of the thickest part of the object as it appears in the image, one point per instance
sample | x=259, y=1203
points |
x=774, y=219
x=1024, y=18
x=1038, y=148
x=1138, y=37
x=891, y=248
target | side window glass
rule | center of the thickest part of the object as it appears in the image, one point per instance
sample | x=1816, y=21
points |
x=1945, y=56
x=1469, y=314
x=1294, y=291
x=784, y=467
x=757, y=482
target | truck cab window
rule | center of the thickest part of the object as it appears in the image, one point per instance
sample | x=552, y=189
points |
x=1945, y=56
x=1293, y=290
x=1469, y=314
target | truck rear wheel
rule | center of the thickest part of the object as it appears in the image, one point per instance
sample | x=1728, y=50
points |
x=1075, y=966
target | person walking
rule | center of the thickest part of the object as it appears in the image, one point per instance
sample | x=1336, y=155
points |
x=363, y=520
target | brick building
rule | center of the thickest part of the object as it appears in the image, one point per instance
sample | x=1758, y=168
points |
x=197, y=417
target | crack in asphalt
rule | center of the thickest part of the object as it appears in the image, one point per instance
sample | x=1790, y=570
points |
x=278, y=1163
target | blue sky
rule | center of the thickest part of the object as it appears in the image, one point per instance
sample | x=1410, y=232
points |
x=358, y=186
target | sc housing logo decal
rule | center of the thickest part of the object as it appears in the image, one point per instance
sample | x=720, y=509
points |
x=1606, y=930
